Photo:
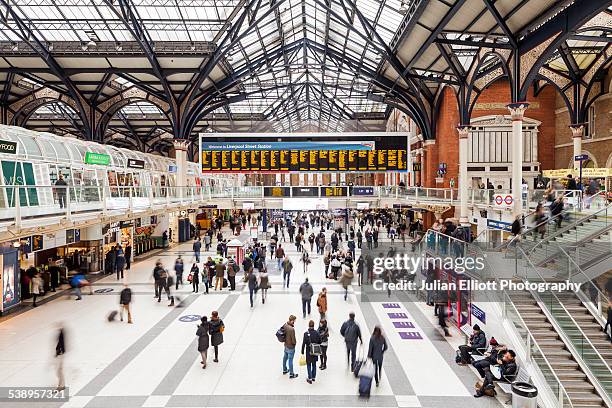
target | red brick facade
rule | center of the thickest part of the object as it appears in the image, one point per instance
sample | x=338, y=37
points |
x=492, y=101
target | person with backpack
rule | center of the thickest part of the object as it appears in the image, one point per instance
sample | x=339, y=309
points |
x=322, y=303
x=305, y=260
x=157, y=272
x=252, y=283
x=336, y=266
x=307, y=292
x=119, y=261
x=347, y=278
x=351, y=332
x=216, y=333
x=286, y=335
x=178, y=269
x=232, y=270
x=194, y=275
x=311, y=344
x=264, y=285
x=324, y=334
x=376, y=350
x=125, y=298
x=287, y=267
x=203, y=339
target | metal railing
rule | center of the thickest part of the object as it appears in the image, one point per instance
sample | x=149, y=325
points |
x=579, y=344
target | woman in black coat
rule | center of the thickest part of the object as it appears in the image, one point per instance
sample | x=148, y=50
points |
x=203, y=340
x=216, y=333
x=195, y=277
x=311, y=337
x=376, y=350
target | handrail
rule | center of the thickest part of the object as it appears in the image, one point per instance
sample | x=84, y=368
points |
x=531, y=340
x=562, y=395
x=574, y=224
x=569, y=343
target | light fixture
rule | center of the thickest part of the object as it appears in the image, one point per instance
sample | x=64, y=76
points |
x=84, y=47
x=91, y=43
x=193, y=46
x=119, y=47
x=17, y=244
x=15, y=46
x=50, y=46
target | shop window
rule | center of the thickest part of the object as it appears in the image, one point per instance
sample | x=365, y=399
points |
x=19, y=174
x=589, y=127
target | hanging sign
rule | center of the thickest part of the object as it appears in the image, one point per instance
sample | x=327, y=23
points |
x=7, y=147
x=97, y=158
x=136, y=164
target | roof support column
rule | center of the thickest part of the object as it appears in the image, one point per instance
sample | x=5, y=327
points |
x=180, y=156
x=464, y=132
x=577, y=134
x=517, y=110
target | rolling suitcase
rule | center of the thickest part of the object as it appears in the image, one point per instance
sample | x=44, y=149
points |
x=365, y=385
x=111, y=316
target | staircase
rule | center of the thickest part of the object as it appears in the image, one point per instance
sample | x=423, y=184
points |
x=581, y=392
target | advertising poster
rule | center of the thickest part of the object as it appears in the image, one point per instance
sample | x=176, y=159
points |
x=10, y=280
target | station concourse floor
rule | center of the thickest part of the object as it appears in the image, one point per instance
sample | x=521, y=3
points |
x=155, y=363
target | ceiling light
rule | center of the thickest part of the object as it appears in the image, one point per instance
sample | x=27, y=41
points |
x=15, y=47
x=17, y=244
x=84, y=47
x=91, y=43
x=193, y=46
x=119, y=47
x=50, y=46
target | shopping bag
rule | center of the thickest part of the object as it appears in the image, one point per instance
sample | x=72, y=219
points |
x=302, y=360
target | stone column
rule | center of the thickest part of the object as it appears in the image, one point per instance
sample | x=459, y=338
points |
x=464, y=132
x=577, y=134
x=427, y=176
x=517, y=110
x=180, y=156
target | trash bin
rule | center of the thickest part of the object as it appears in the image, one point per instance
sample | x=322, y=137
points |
x=524, y=395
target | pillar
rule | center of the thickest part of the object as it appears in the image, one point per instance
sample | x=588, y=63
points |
x=517, y=111
x=430, y=163
x=464, y=132
x=180, y=157
x=577, y=133
x=417, y=174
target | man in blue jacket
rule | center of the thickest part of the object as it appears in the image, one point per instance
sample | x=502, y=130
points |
x=477, y=345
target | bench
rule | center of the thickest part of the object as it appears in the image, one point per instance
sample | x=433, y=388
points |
x=521, y=376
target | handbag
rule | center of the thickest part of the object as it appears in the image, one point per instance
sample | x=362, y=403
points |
x=302, y=361
x=315, y=348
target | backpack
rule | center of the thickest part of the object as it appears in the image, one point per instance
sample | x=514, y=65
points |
x=281, y=334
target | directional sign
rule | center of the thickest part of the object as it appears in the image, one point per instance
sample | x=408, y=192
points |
x=581, y=157
x=190, y=318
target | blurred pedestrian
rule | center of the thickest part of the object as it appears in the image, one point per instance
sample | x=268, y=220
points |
x=125, y=298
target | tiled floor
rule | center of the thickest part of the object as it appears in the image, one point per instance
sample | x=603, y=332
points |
x=154, y=362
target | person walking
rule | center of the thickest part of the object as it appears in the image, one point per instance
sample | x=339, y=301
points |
x=128, y=256
x=61, y=190
x=347, y=278
x=264, y=285
x=252, y=283
x=216, y=333
x=178, y=269
x=157, y=272
x=119, y=261
x=305, y=260
x=351, y=332
x=37, y=284
x=60, y=351
x=311, y=345
x=280, y=255
x=307, y=292
x=207, y=241
x=287, y=267
x=219, y=274
x=232, y=270
x=289, y=350
x=203, y=339
x=609, y=321
x=324, y=334
x=376, y=350
x=197, y=247
x=125, y=298
x=195, y=277
x=322, y=303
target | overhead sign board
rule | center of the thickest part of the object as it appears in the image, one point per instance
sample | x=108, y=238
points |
x=136, y=164
x=97, y=158
x=581, y=157
x=362, y=191
x=8, y=147
x=500, y=225
x=249, y=146
x=334, y=191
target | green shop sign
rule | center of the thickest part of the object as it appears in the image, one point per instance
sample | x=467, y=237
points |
x=97, y=158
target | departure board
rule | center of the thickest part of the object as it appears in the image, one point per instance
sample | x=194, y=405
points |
x=303, y=160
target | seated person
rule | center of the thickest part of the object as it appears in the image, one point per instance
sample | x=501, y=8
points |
x=490, y=357
x=504, y=369
x=477, y=344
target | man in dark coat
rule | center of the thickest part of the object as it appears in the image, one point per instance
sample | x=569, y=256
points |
x=216, y=333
